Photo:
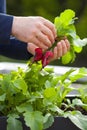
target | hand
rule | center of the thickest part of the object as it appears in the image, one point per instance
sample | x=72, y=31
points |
x=62, y=47
x=36, y=30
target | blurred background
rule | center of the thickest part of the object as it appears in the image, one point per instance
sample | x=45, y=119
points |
x=50, y=9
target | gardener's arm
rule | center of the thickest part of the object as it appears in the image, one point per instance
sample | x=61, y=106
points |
x=37, y=30
x=15, y=49
x=5, y=27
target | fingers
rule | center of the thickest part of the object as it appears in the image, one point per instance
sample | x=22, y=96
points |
x=43, y=30
x=62, y=47
x=31, y=48
x=55, y=53
x=67, y=44
x=46, y=32
x=51, y=27
x=40, y=44
x=43, y=41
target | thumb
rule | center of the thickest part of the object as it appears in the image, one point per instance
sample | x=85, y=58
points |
x=31, y=48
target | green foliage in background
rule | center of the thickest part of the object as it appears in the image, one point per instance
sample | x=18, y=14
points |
x=50, y=9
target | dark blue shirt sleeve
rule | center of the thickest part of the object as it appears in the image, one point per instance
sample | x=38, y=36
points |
x=15, y=49
x=2, y=6
x=9, y=46
x=5, y=27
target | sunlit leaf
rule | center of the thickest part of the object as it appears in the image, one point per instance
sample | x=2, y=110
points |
x=34, y=120
x=78, y=119
x=14, y=123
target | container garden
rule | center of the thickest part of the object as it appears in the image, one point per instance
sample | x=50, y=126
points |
x=60, y=123
x=42, y=101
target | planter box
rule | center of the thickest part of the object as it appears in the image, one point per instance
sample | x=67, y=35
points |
x=60, y=123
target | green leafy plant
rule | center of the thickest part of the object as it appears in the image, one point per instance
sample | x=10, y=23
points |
x=65, y=26
x=36, y=94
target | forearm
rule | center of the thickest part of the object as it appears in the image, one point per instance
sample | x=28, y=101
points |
x=15, y=49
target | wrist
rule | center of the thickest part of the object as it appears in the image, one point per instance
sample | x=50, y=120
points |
x=15, y=26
